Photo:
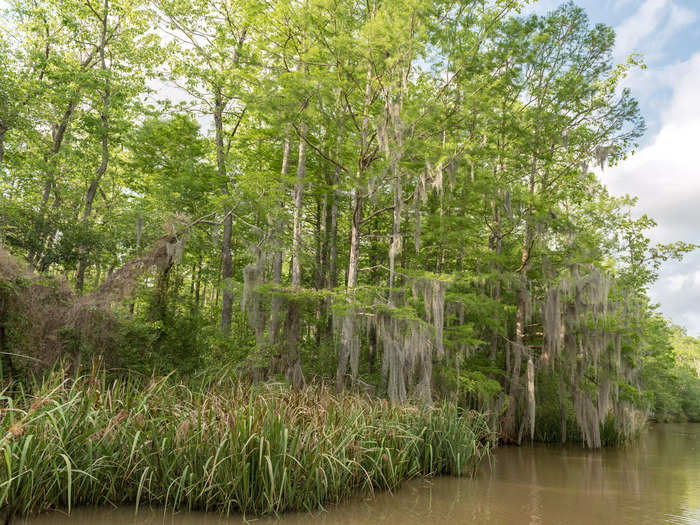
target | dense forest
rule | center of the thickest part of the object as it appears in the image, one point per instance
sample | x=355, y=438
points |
x=395, y=198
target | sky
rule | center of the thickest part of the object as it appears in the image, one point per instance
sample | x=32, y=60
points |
x=664, y=173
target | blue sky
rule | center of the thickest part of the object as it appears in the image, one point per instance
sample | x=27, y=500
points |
x=665, y=172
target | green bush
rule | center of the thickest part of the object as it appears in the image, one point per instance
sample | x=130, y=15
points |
x=224, y=447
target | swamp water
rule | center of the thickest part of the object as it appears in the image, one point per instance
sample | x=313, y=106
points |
x=656, y=480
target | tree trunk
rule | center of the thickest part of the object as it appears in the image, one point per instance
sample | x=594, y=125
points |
x=333, y=234
x=159, y=308
x=226, y=261
x=396, y=241
x=293, y=371
x=521, y=318
x=495, y=242
x=58, y=134
x=298, y=208
x=355, y=222
x=349, y=351
x=321, y=245
x=104, y=160
x=277, y=258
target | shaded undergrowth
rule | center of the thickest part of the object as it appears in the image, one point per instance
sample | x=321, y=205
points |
x=224, y=447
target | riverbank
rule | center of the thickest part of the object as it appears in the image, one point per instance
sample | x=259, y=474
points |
x=651, y=481
x=224, y=447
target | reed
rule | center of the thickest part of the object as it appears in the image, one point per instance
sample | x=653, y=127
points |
x=224, y=447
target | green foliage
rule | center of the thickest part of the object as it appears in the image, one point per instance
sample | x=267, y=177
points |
x=672, y=377
x=424, y=165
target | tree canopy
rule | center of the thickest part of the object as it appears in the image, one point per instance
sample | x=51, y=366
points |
x=396, y=196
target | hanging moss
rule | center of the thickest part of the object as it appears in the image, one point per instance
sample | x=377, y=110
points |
x=43, y=320
x=251, y=300
x=582, y=334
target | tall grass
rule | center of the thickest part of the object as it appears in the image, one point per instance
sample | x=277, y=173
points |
x=224, y=447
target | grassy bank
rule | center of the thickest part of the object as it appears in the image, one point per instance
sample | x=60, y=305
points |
x=223, y=447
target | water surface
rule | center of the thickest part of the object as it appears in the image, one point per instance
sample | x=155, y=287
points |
x=656, y=480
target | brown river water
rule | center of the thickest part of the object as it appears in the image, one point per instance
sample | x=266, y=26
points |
x=656, y=480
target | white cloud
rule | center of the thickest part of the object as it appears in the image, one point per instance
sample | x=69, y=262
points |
x=650, y=28
x=665, y=175
x=641, y=24
x=685, y=79
x=678, y=293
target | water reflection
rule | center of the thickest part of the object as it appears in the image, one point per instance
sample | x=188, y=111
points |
x=654, y=481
